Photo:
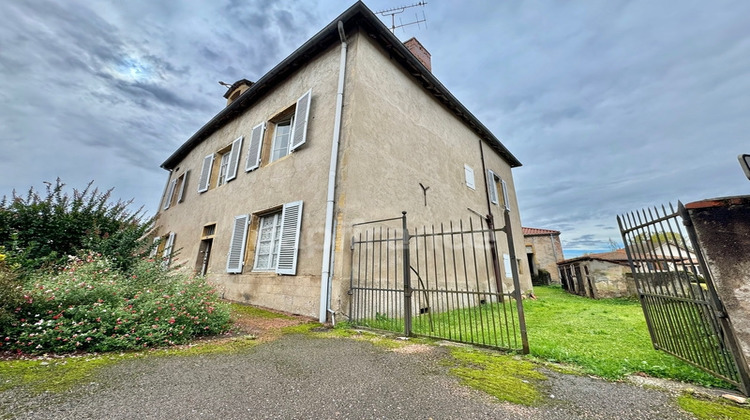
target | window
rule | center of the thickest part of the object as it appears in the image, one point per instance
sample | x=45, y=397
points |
x=492, y=179
x=277, y=242
x=226, y=170
x=176, y=190
x=163, y=245
x=288, y=132
x=281, y=137
x=269, y=235
x=469, y=173
x=223, y=168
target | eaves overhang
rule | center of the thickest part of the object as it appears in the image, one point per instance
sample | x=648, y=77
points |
x=357, y=16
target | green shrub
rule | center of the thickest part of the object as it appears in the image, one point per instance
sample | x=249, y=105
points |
x=92, y=306
x=41, y=231
x=11, y=295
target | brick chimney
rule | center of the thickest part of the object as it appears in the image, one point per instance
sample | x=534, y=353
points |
x=420, y=52
x=237, y=89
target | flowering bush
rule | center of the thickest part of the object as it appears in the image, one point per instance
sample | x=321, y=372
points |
x=93, y=306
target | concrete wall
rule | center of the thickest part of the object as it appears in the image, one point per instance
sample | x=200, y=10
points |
x=396, y=136
x=723, y=229
x=547, y=253
x=302, y=175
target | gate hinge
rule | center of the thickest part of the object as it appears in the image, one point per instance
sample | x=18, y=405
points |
x=350, y=292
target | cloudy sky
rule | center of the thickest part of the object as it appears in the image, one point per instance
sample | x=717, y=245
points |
x=610, y=105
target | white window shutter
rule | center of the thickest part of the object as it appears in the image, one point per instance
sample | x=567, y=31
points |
x=301, y=114
x=170, y=193
x=505, y=195
x=291, y=218
x=469, y=177
x=208, y=162
x=492, y=186
x=256, y=144
x=167, y=255
x=234, y=159
x=508, y=267
x=181, y=195
x=154, y=247
x=236, y=255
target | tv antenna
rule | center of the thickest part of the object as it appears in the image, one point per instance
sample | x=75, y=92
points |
x=398, y=10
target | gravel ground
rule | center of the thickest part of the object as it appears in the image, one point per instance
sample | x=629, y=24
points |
x=302, y=376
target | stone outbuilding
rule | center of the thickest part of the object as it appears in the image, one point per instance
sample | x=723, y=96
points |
x=603, y=275
x=543, y=252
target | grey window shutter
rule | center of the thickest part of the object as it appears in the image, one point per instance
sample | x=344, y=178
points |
x=505, y=195
x=234, y=159
x=301, y=114
x=492, y=186
x=236, y=255
x=291, y=218
x=167, y=255
x=256, y=144
x=469, y=177
x=181, y=195
x=208, y=162
x=170, y=193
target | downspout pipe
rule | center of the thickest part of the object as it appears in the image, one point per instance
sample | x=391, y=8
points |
x=326, y=275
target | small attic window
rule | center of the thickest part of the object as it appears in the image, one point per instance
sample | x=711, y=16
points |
x=236, y=94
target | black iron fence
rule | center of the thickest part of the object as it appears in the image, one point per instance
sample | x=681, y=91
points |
x=440, y=281
x=684, y=315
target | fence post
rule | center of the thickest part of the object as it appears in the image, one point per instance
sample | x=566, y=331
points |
x=516, y=283
x=407, y=278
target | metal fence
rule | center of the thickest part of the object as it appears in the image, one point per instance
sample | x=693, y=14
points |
x=439, y=281
x=684, y=315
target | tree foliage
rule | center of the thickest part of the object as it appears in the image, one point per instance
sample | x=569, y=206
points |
x=42, y=230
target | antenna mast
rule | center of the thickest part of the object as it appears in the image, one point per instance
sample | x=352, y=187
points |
x=397, y=10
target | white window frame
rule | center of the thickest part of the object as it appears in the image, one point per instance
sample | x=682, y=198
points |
x=223, y=169
x=282, y=123
x=275, y=236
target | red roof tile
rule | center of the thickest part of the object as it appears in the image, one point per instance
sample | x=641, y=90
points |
x=527, y=231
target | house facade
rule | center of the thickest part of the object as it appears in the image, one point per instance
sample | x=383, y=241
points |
x=262, y=199
x=543, y=251
x=603, y=275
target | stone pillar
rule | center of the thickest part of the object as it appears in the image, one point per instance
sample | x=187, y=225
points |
x=723, y=229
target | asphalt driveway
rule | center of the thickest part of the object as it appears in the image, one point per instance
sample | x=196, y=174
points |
x=309, y=377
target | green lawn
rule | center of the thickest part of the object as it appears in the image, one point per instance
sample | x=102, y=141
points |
x=607, y=337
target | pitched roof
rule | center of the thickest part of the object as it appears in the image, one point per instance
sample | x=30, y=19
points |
x=527, y=231
x=360, y=16
x=616, y=256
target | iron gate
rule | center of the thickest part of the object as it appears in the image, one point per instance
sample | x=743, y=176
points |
x=442, y=282
x=684, y=314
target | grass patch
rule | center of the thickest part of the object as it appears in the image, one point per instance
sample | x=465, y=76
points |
x=713, y=410
x=253, y=312
x=607, y=337
x=503, y=376
x=53, y=375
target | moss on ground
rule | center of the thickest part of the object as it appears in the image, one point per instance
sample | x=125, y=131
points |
x=253, y=312
x=713, y=410
x=503, y=376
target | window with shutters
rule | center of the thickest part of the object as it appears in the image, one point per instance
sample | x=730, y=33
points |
x=492, y=181
x=275, y=234
x=469, y=175
x=286, y=132
x=162, y=248
x=225, y=170
x=176, y=190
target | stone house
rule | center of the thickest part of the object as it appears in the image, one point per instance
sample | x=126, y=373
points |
x=543, y=251
x=262, y=198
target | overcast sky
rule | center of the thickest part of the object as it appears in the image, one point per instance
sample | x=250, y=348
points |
x=610, y=105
